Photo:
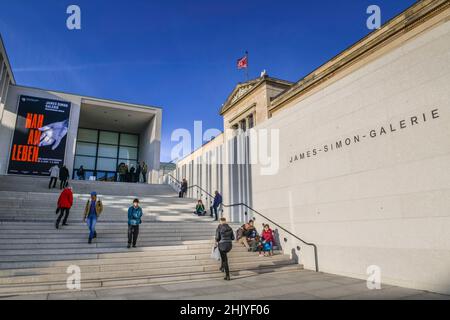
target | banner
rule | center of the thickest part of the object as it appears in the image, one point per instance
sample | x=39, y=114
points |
x=40, y=136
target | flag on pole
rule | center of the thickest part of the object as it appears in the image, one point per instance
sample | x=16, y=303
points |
x=242, y=63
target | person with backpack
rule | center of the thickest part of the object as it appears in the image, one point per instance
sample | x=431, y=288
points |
x=224, y=240
x=134, y=220
x=65, y=202
x=93, y=210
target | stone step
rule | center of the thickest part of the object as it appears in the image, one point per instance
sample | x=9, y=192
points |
x=118, y=229
x=117, y=254
x=102, y=238
x=94, y=261
x=125, y=265
x=40, y=184
x=141, y=281
x=200, y=225
x=153, y=270
x=95, y=250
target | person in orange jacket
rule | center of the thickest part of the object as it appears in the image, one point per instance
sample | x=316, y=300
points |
x=65, y=202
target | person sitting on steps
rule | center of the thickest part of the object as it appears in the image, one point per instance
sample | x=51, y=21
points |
x=247, y=236
x=200, y=208
x=267, y=241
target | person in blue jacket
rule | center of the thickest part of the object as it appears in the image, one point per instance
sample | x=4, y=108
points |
x=216, y=204
x=134, y=220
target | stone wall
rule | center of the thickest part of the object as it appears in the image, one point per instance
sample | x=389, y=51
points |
x=365, y=168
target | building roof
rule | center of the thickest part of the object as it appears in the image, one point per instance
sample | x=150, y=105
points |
x=6, y=60
x=244, y=89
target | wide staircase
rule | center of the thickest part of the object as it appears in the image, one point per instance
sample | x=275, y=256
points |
x=174, y=244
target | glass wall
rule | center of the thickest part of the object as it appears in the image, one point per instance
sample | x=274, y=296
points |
x=101, y=152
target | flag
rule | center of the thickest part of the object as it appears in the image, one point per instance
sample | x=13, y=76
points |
x=242, y=63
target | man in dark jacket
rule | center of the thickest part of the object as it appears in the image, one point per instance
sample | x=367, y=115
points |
x=63, y=176
x=134, y=220
x=183, y=188
x=224, y=239
x=138, y=173
x=216, y=204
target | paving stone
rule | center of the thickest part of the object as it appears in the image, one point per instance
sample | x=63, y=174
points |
x=82, y=295
x=427, y=296
x=386, y=293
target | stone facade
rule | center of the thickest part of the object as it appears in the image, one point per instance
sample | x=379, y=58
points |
x=364, y=156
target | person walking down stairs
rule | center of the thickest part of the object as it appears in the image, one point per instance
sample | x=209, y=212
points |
x=224, y=240
x=134, y=220
x=65, y=202
x=93, y=210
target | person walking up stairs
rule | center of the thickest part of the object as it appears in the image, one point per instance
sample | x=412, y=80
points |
x=224, y=239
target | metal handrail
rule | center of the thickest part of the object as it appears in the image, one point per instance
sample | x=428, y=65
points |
x=316, y=258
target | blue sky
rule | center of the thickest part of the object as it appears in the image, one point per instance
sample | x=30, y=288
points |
x=177, y=54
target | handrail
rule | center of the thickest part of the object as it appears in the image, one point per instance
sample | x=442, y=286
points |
x=316, y=259
x=193, y=186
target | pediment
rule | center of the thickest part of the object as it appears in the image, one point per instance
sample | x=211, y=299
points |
x=241, y=90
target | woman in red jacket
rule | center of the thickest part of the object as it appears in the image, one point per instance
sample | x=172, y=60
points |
x=266, y=241
x=65, y=202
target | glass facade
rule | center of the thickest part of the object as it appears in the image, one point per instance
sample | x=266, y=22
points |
x=101, y=152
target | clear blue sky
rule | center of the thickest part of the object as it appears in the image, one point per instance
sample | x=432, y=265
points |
x=177, y=54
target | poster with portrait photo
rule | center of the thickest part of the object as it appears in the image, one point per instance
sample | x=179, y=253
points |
x=40, y=136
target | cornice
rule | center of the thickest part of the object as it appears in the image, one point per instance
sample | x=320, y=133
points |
x=401, y=24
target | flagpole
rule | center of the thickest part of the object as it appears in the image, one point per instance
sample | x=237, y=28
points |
x=246, y=69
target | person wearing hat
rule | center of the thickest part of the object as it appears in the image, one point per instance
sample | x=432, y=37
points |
x=134, y=220
x=92, y=211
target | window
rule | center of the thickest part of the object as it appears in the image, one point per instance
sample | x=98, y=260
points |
x=251, y=121
x=130, y=140
x=243, y=125
x=100, y=152
x=86, y=149
x=106, y=164
x=87, y=135
x=88, y=163
x=105, y=150
x=109, y=137
x=128, y=153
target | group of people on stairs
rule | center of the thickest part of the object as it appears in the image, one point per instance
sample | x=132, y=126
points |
x=224, y=237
